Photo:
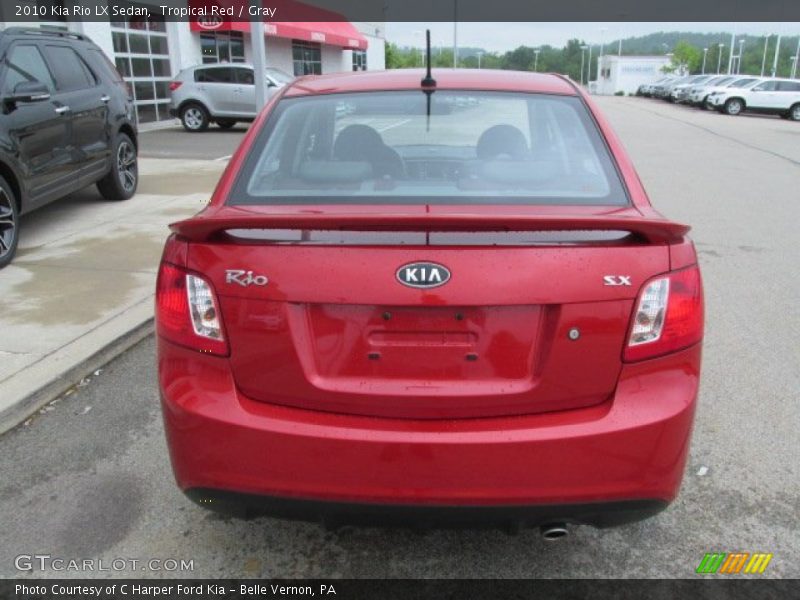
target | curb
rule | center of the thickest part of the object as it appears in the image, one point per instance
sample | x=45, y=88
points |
x=159, y=125
x=71, y=367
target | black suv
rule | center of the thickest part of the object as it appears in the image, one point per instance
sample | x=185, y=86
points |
x=67, y=121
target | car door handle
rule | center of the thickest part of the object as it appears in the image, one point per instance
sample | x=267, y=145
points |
x=105, y=98
x=60, y=110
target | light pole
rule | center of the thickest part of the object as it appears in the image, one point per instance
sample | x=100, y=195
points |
x=589, y=68
x=259, y=59
x=777, y=51
x=764, y=59
x=583, y=51
x=719, y=58
x=479, y=58
x=793, y=60
x=421, y=59
x=536, y=60
x=705, y=52
x=602, y=35
x=796, y=59
x=739, y=62
x=455, y=34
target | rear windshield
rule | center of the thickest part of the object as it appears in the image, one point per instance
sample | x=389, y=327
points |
x=465, y=147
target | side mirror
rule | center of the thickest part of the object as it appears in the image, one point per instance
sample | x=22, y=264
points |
x=29, y=91
x=271, y=83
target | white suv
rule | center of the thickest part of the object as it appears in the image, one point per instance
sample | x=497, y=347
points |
x=220, y=92
x=776, y=96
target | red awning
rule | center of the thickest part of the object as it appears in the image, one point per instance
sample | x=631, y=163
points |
x=335, y=33
x=328, y=28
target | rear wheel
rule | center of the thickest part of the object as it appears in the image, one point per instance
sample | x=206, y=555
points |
x=194, y=117
x=733, y=106
x=794, y=112
x=225, y=123
x=9, y=223
x=121, y=181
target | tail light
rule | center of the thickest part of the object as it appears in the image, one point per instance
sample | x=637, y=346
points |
x=174, y=85
x=668, y=316
x=187, y=311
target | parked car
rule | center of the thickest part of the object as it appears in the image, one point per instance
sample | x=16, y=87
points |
x=219, y=93
x=696, y=91
x=403, y=315
x=67, y=122
x=663, y=90
x=771, y=96
x=647, y=89
x=678, y=91
x=729, y=83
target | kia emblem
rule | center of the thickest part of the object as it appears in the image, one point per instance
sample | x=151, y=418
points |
x=209, y=22
x=423, y=275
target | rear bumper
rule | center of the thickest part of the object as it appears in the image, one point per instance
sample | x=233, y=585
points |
x=332, y=514
x=575, y=465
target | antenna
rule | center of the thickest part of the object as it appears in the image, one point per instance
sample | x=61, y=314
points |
x=428, y=81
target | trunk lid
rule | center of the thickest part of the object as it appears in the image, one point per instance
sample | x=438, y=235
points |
x=526, y=323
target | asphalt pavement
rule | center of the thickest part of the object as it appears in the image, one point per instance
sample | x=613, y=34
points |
x=175, y=142
x=89, y=476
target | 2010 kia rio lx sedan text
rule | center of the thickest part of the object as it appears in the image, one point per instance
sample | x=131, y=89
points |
x=440, y=304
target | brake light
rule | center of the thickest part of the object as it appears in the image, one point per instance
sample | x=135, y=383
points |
x=187, y=311
x=668, y=315
x=174, y=85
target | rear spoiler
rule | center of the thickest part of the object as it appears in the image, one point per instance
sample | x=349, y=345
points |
x=654, y=230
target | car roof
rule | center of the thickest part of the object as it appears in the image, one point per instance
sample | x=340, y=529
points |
x=50, y=34
x=446, y=79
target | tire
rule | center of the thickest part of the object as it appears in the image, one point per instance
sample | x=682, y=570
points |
x=225, y=123
x=733, y=106
x=794, y=112
x=9, y=223
x=121, y=181
x=194, y=117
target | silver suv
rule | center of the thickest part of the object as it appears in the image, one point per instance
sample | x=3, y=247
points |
x=222, y=93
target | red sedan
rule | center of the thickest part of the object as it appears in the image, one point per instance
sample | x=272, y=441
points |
x=430, y=302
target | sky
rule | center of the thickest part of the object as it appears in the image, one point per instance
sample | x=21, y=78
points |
x=500, y=37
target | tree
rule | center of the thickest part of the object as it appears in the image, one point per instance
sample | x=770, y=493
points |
x=520, y=59
x=688, y=56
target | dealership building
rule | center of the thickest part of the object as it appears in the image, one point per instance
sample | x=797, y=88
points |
x=150, y=52
x=627, y=73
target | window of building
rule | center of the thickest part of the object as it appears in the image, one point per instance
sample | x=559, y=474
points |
x=222, y=46
x=359, y=60
x=141, y=55
x=307, y=58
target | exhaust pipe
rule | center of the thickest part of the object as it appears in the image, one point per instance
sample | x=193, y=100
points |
x=553, y=531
